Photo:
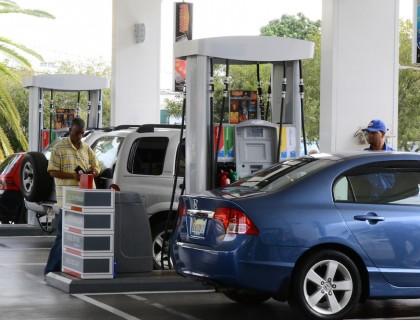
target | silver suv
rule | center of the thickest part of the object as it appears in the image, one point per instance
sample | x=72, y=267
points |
x=138, y=159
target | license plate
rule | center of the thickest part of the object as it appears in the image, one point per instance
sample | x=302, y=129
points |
x=198, y=227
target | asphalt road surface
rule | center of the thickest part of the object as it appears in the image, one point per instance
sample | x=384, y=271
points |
x=25, y=295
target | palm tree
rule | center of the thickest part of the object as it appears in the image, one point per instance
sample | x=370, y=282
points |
x=9, y=115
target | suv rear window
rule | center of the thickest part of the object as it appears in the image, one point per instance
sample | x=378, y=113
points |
x=106, y=150
x=147, y=156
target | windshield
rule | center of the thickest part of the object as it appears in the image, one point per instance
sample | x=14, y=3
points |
x=273, y=178
x=106, y=150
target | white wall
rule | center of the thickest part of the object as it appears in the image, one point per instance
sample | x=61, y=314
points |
x=135, y=66
x=359, y=70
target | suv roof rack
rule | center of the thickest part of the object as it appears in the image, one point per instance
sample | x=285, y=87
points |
x=126, y=126
x=105, y=129
x=151, y=127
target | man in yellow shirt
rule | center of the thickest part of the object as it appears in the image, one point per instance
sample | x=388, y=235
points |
x=66, y=156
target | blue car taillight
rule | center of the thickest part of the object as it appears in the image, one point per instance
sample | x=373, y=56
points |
x=235, y=221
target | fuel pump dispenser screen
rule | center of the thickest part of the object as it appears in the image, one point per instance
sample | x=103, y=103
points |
x=255, y=145
x=257, y=132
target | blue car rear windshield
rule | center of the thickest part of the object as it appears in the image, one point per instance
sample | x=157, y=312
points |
x=274, y=178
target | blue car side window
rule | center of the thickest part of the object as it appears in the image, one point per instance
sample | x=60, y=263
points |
x=386, y=187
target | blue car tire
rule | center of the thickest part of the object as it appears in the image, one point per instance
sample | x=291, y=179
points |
x=326, y=285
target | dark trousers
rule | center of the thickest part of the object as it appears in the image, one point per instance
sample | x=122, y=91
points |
x=54, y=259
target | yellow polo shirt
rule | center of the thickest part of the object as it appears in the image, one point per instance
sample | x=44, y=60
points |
x=65, y=157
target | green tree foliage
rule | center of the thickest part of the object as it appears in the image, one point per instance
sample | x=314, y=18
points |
x=301, y=27
x=298, y=27
x=174, y=106
x=409, y=94
x=12, y=136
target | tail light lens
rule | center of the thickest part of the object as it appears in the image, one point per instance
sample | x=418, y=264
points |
x=235, y=221
x=182, y=212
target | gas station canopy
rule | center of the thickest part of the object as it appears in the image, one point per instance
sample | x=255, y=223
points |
x=66, y=82
x=246, y=49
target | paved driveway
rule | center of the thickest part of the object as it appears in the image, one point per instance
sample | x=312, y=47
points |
x=24, y=295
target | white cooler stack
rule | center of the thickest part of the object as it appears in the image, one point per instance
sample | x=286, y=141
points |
x=88, y=233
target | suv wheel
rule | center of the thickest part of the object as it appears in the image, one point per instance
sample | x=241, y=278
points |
x=35, y=181
x=160, y=251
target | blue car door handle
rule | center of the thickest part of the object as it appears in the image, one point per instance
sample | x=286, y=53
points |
x=370, y=216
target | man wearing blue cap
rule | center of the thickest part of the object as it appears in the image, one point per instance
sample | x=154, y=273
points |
x=376, y=130
x=380, y=182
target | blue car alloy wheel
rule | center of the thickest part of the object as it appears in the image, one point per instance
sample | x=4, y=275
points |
x=326, y=285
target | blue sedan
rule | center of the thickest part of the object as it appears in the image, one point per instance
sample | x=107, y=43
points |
x=322, y=232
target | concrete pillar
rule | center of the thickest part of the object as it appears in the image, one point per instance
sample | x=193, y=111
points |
x=359, y=70
x=135, y=66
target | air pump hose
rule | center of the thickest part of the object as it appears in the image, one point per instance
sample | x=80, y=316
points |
x=222, y=111
x=211, y=93
x=51, y=113
x=171, y=206
x=283, y=97
x=302, y=111
x=260, y=97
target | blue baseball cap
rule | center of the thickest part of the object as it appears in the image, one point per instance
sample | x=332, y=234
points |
x=376, y=125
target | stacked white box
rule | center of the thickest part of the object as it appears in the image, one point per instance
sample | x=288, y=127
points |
x=88, y=233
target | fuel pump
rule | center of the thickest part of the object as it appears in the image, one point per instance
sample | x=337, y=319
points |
x=282, y=54
x=61, y=82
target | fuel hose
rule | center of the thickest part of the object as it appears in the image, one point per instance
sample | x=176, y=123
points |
x=260, y=97
x=213, y=165
x=283, y=98
x=222, y=111
x=40, y=124
x=99, y=109
x=302, y=111
x=51, y=113
x=89, y=106
x=165, y=242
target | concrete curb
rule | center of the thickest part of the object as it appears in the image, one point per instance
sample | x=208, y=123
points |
x=19, y=230
x=152, y=281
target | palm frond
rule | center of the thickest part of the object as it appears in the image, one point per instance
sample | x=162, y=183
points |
x=16, y=56
x=10, y=115
x=8, y=72
x=21, y=47
x=5, y=146
x=2, y=157
x=29, y=12
x=7, y=6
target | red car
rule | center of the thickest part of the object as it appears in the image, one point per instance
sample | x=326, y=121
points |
x=12, y=208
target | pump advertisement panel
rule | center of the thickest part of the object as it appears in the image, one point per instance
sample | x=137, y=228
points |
x=183, y=32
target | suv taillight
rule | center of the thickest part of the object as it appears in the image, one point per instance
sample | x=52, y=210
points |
x=8, y=184
x=235, y=221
